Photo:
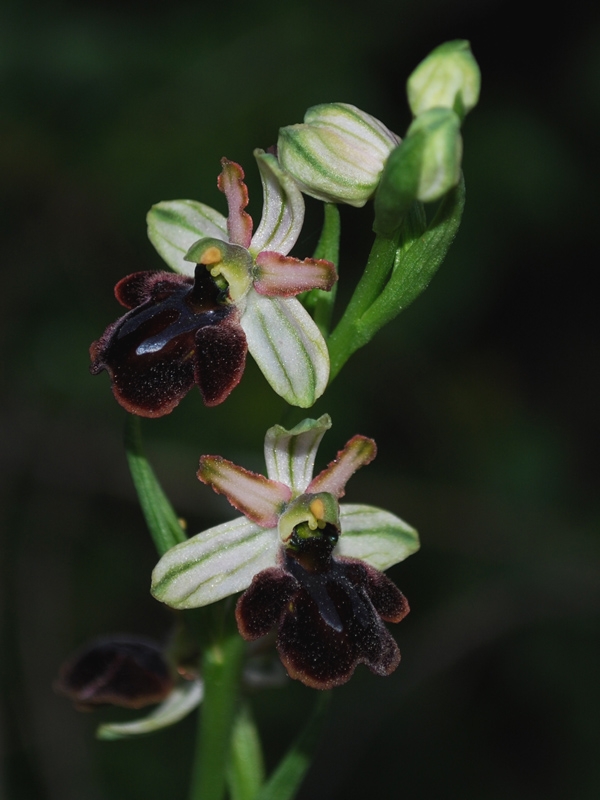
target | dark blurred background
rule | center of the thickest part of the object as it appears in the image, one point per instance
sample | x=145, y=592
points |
x=483, y=396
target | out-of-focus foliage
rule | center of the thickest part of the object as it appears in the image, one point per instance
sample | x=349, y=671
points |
x=483, y=396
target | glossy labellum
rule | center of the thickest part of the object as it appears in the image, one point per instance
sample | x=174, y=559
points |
x=179, y=331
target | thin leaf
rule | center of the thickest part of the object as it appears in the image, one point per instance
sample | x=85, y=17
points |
x=285, y=781
x=165, y=529
x=246, y=771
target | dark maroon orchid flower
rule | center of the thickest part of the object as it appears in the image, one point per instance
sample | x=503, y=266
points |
x=233, y=291
x=127, y=671
x=179, y=332
x=329, y=612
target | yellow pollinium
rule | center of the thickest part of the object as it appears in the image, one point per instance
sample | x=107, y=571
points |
x=210, y=257
x=317, y=509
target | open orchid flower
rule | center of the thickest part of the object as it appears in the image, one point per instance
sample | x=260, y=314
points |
x=310, y=565
x=235, y=292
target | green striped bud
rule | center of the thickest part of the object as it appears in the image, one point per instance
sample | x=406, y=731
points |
x=448, y=78
x=424, y=167
x=337, y=154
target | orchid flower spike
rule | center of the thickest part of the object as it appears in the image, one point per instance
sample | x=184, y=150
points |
x=234, y=291
x=310, y=566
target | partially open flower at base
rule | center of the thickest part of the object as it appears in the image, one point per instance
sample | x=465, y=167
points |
x=329, y=614
x=310, y=565
x=122, y=671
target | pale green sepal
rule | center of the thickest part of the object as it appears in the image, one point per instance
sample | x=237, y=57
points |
x=174, y=226
x=287, y=346
x=182, y=700
x=283, y=208
x=448, y=77
x=290, y=455
x=375, y=536
x=214, y=564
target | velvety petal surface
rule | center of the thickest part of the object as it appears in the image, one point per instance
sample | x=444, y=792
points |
x=257, y=497
x=283, y=208
x=287, y=346
x=331, y=626
x=214, y=564
x=290, y=455
x=220, y=359
x=261, y=606
x=283, y=276
x=357, y=452
x=375, y=536
x=174, y=226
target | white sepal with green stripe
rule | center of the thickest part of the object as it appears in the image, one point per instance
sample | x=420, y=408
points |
x=182, y=700
x=214, y=564
x=287, y=346
x=175, y=225
x=283, y=208
x=375, y=536
x=290, y=455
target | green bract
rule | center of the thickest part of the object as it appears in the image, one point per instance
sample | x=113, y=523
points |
x=448, y=78
x=337, y=153
x=223, y=560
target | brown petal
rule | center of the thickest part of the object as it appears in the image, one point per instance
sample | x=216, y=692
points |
x=322, y=648
x=387, y=599
x=124, y=671
x=260, y=607
x=220, y=359
x=139, y=287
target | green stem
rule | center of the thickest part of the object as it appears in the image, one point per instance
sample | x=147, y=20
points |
x=221, y=670
x=416, y=266
x=318, y=302
x=342, y=342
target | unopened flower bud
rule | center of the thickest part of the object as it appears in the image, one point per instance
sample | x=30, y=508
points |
x=448, y=77
x=424, y=167
x=337, y=154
